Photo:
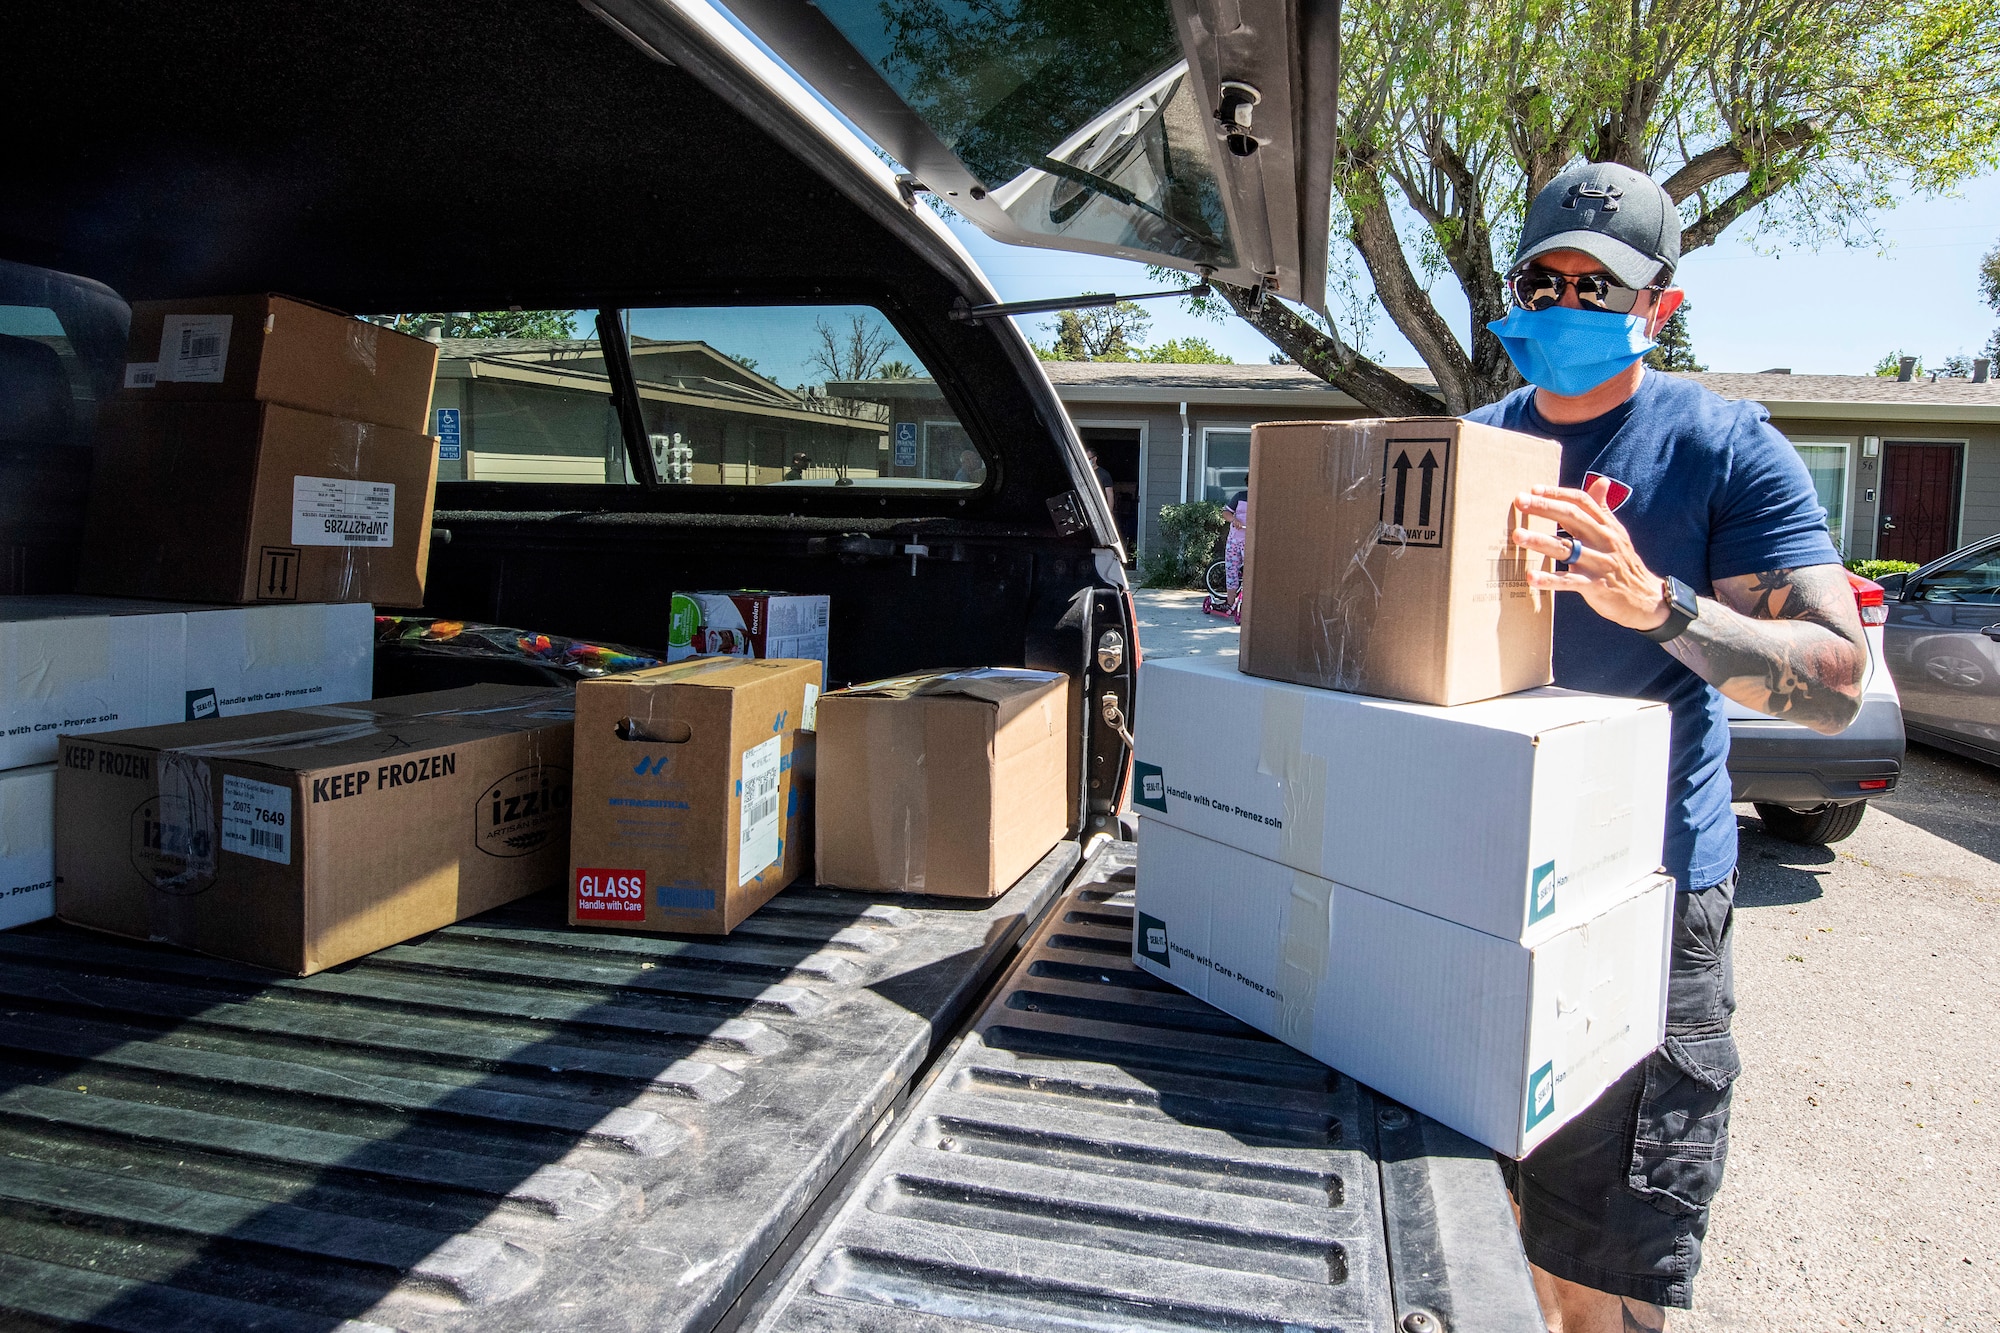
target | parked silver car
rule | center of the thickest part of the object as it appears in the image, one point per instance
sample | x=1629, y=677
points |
x=1943, y=643
x=1811, y=788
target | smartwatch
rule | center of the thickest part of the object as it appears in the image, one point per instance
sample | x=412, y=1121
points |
x=1682, y=609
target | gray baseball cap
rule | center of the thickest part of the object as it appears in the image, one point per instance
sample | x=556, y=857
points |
x=1617, y=216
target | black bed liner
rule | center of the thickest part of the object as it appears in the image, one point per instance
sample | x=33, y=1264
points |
x=505, y=1125
x=1105, y=1152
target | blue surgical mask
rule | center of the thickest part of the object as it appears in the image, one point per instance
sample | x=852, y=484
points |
x=1570, y=352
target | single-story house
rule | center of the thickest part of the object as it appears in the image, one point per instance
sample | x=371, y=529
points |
x=1905, y=470
x=539, y=409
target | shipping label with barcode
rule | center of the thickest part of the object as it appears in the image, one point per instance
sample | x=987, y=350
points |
x=194, y=349
x=256, y=819
x=757, y=840
x=332, y=511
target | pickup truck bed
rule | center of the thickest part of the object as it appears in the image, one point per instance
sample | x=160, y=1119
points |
x=1103, y=1151
x=509, y=1124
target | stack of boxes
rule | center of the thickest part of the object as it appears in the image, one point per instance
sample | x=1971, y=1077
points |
x=274, y=451
x=1386, y=840
x=265, y=472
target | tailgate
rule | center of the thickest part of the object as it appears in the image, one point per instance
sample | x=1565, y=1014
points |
x=1105, y=1152
x=506, y=1125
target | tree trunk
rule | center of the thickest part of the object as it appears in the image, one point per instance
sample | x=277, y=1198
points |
x=1329, y=357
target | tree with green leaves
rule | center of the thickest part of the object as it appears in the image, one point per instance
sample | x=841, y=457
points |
x=1796, y=120
x=1185, y=352
x=1676, y=348
x=1103, y=333
x=1989, y=292
x=488, y=323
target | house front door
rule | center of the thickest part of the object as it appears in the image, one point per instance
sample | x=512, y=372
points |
x=1919, y=510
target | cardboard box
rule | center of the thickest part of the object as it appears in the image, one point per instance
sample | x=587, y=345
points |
x=257, y=659
x=689, y=807
x=1378, y=559
x=954, y=783
x=1503, y=815
x=27, y=844
x=1503, y=1040
x=78, y=665
x=252, y=502
x=748, y=623
x=82, y=664
x=274, y=349
x=300, y=839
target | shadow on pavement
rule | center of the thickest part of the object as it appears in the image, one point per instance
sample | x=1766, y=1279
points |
x=1949, y=797
x=1777, y=873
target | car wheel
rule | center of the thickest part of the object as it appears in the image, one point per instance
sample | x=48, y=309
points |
x=1815, y=827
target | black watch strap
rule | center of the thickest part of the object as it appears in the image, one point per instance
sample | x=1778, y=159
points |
x=1682, y=608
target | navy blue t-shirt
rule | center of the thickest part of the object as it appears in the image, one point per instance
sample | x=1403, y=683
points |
x=1708, y=490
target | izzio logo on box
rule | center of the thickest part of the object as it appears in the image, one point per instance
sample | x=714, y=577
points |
x=523, y=812
x=610, y=895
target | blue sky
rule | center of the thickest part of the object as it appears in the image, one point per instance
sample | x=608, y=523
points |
x=780, y=339
x=1832, y=311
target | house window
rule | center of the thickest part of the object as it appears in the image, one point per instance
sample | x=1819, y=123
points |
x=1826, y=464
x=1225, y=462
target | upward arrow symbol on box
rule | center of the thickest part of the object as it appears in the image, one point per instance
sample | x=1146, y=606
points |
x=1402, y=467
x=1429, y=468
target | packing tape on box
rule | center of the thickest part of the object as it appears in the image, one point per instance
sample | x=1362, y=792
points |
x=900, y=823
x=1301, y=777
x=362, y=340
x=283, y=636
x=174, y=839
x=1302, y=954
x=352, y=724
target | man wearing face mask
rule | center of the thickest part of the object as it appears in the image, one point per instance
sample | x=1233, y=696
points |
x=1702, y=567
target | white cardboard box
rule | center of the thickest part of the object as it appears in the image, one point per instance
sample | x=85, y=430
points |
x=76, y=665
x=27, y=844
x=1503, y=1041
x=83, y=664
x=1504, y=815
x=253, y=659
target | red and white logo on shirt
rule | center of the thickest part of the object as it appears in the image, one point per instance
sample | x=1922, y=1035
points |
x=1617, y=493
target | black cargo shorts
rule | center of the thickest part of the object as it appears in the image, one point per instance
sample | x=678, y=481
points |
x=1618, y=1198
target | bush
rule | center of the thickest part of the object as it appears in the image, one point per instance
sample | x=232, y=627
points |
x=1875, y=569
x=1192, y=532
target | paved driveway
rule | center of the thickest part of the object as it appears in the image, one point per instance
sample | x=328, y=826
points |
x=1861, y=1190
x=1171, y=625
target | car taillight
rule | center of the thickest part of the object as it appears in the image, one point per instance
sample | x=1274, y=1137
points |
x=1869, y=600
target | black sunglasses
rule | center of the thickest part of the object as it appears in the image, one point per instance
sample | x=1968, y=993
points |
x=1539, y=289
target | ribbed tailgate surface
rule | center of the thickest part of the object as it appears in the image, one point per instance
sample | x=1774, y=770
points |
x=507, y=1125
x=1104, y=1152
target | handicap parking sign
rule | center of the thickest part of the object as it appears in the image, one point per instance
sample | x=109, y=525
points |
x=447, y=433
x=906, y=444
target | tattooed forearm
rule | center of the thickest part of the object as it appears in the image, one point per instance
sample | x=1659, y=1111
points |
x=1785, y=642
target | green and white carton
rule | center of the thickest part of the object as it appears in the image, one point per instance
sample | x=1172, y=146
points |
x=1507, y=815
x=1503, y=1040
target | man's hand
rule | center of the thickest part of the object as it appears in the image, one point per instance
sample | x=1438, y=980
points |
x=1608, y=573
x=1786, y=642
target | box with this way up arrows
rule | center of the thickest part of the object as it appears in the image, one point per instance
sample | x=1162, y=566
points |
x=1378, y=559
